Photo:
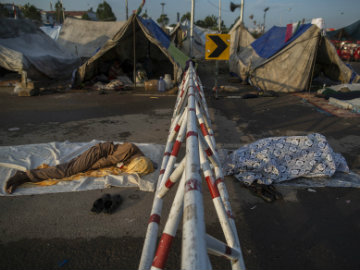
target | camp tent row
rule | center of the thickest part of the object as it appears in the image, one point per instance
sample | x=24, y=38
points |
x=24, y=47
x=152, y=48
x=273, y=62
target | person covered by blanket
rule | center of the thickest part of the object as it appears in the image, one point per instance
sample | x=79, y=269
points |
x=98, y=156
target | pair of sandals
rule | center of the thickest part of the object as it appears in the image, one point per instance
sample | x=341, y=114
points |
x=267, y=192
x=107, y=204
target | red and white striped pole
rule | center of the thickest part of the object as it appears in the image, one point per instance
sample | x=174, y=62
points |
x=215, y=195
x=149, y=246
x=194, y=255
x=174, y=177
x=171, y=227
x=218, y=248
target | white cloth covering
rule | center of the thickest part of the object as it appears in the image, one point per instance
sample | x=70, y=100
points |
x=30, y=156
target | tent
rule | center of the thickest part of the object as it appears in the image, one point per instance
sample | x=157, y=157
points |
x=240, y=38
x=350, y=33
x=152, y=47
x=83, y=38
x=24, y=47
x=180, y=35
x=283, y=63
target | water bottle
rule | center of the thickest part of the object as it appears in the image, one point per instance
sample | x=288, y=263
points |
x=161, y=85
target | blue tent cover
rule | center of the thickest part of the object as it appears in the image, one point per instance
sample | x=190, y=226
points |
x=156, y=31
x=274, y=40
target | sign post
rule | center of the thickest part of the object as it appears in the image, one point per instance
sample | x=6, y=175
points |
x=217, y=47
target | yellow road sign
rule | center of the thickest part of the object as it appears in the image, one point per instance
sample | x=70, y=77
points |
x=217, y=47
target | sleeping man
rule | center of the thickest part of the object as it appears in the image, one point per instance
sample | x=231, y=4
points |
x=98, y=156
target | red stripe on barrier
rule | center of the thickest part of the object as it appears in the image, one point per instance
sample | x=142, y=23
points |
x=191, y=133
x=167, y=154
x=169, y=183
x=162, y=251
x=204, y=130
x=212, y=188
x=192, y=184
x=154, y=218
x=227, y=250
x=176, y=148
x=162, y=171
x=177, y=127
x=218, y=181
x=209, y=152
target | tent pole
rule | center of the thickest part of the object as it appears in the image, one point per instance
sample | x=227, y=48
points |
x=314, y=63
x=134, y=50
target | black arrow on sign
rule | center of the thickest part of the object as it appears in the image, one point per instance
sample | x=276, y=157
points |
x=221, y=46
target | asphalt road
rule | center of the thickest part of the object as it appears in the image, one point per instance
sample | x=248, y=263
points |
x=314, y=230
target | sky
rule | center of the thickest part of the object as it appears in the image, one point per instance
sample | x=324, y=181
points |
x=336, y=13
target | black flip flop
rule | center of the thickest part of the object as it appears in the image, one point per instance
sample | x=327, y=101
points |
x=114, y=203
x=99, y=204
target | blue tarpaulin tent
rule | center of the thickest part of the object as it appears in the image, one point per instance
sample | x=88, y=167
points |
x=273, y=62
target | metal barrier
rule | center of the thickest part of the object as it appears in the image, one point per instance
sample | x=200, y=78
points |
x=191, y=121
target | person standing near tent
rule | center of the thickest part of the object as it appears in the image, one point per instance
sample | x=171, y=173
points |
x=101, y=155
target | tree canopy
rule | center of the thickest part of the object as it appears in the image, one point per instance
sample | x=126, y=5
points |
x=31, y=12
x=210, y=22
x=163, y=19
x=104, y=12
x=186, y=16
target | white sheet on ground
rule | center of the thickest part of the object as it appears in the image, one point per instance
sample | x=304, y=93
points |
x=352, y=104
x=30, y=156
x=279, y=159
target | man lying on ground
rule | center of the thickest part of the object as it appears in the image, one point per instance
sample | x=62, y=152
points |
x=98, y=156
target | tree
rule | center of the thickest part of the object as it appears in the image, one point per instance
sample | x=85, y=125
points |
x=163, y=19
x=186, y=16
x=210, y=22
x=85, y=16
x=104, y=12
x=31, y=12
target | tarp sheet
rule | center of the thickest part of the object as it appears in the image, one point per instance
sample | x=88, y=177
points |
x=52, y=31
x=84, y=38
x=31, y=156
x=156, y=31
x=23, y=46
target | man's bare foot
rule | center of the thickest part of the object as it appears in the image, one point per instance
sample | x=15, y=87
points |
x=16, y=180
